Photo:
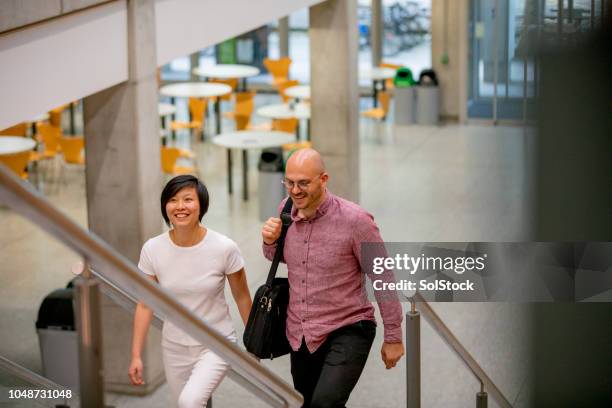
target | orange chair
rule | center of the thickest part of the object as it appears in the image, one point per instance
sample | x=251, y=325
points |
x=279, y=69
x=72, y=149
x=232, y=82
x=379, y=113
x=287, y=84
x=55, y=115
x=197, y=108
x=17, y=162
x=243, y=109
x=169, y=156
x=50, y=136
x=389, y=81
x=285, y=125
x=20, y=129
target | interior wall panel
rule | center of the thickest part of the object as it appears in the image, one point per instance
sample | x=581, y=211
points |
x=61, y=60
x=186, y=26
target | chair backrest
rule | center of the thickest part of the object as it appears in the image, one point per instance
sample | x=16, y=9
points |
x=285, y=125
x=389, y=81
x=169, y=156
x=197, y=108
x=50, y=135
x=55, y=115
x=242, y=121
x=20, y=129
x=72, y=149
x=278, y=68
x=17, y=162
x=244, y=103
x=383, y=99
x=232, y=82
x=287, y=84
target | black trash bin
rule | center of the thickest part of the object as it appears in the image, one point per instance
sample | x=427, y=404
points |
x=58, y=338
x=271, y=189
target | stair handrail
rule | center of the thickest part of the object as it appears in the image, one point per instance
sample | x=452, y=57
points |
x=25, y=200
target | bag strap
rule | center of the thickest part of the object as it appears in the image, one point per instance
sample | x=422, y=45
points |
x=280, y=243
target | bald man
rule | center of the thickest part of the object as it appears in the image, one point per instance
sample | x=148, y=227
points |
x=330, y=321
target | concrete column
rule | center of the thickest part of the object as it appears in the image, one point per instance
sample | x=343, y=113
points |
x=283, y=36
x=123, y=185
x=334, y=92
x=376, y=32
x=449, y=35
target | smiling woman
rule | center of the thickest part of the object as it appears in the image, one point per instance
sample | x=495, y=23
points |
x=192, y=262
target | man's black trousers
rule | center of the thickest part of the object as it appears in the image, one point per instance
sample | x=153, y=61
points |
x=326, y=377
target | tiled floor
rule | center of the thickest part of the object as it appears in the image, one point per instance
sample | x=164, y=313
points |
x=448, y=183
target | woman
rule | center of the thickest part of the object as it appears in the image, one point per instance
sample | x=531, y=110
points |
x=191, y=262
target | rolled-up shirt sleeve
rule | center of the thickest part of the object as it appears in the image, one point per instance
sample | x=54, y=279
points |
x=390, y=307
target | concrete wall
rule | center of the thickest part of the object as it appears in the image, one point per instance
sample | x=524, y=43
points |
x=67, y=57
x=18, y=13
x=453, y=76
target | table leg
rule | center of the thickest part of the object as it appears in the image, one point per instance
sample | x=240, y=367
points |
x=173, y=118
x=243, y=83
x=72, y=122
x=245, y=176
x=308, y=129
x=375, y=93
x=297, y=131
x=229, y=171
x=383, y=88
x=218, y=115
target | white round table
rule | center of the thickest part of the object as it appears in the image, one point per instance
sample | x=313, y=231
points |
x=298, y=92
x=300, y=111
x=228, y=71
x=284, y=111
x=198, y=90
x=244, y=140
x=15, y=144
x=378, y=75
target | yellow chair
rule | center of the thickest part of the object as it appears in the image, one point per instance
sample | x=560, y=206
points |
x=389, y=81
x=17, y=162
x=287, y=84
x=55, y=115
x=243, y=109
x=285, y=125
x=20, y=129
x=232, y=82
x=279, y=69
x=379, y=113
x=72, y=149
x=50, y=136
x=292, y=147
x=169, y=156
x=242, y=121
x=197, y=108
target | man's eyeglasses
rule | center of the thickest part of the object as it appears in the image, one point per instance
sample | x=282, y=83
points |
x=302, y=184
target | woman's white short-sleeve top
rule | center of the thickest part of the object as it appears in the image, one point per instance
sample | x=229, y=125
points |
x=195, y=276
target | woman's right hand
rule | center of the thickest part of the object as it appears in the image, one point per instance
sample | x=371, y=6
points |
x=135, y=371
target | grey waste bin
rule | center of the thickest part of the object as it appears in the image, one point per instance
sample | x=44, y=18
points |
x=271, y=189
x=404, y=106
x=428, y=98
x=58, y=339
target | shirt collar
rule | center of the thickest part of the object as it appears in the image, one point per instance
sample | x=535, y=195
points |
x=321, y=209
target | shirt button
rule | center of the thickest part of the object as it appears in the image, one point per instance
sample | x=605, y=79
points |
x=303, y=300
x=305, y=241
x=303, y=320
x=303, y=281
x=303, y=262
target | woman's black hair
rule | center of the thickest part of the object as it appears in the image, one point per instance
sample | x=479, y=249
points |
x=177, y=184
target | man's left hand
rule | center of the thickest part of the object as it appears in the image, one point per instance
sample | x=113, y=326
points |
x=391, y=353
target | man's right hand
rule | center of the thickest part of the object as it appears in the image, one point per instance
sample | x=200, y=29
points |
x=135, y=371
x=271, y=230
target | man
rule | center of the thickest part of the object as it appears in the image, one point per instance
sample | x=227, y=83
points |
x=330, y=322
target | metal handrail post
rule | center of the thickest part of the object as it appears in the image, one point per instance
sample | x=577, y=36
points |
x=413, y=357
x=88, y=323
